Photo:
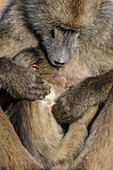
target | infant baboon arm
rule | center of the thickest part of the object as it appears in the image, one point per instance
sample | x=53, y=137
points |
x=77, y=100
x=41, y=136
x=20, y=82
x=12, y=154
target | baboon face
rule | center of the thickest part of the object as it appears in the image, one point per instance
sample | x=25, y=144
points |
x=60, y=44
x=58, y=24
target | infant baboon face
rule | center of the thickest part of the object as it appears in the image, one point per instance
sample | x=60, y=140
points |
x=53, y=78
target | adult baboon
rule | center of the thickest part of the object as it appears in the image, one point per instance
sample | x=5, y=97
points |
x=81, y=29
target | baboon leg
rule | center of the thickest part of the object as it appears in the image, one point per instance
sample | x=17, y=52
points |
x=12, y=154
x=98, y=151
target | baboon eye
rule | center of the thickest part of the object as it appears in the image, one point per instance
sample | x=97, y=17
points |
x=53, y=33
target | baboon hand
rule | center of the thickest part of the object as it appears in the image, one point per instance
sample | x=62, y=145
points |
x=63, y=107
x=71, y=105
x=29, y=85
x=21, y=82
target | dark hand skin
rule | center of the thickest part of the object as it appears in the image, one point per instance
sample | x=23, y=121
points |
x=77, y=100
x=29, y=83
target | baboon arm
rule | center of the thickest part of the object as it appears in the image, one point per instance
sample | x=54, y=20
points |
x=12, y=154
x=77, y=100
x=41, y=136
x=20, y=82
x=73, y=143
x=98, y=149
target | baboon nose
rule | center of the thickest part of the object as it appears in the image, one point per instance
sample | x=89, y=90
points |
x=59, y=63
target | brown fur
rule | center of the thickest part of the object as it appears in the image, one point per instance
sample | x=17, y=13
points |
x=98, y=152
x=12, y=154
x=39, y=132
x=86, y=35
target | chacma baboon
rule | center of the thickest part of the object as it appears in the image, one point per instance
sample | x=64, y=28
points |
x=81, y=29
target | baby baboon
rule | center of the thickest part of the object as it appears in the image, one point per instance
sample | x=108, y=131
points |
x=81, y=29
x=37, y=129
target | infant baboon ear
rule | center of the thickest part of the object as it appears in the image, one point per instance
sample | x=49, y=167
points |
x=33, y=67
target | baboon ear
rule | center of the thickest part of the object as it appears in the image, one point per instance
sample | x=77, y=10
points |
x=33, y=67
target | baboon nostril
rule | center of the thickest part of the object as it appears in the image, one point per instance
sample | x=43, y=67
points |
x=53, y=33
x=59, y=63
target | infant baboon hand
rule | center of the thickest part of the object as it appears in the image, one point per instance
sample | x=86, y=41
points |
x=28, y=85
